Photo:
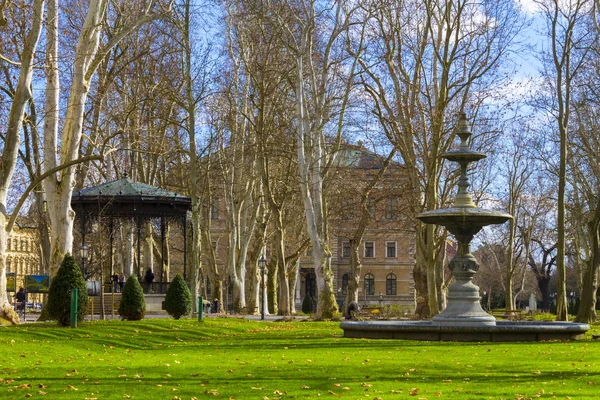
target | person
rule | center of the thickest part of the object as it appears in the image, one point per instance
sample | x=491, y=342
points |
x=115, y=279
x=149, y=278
x=20, y=297
x=353, y=309
x=121, y=282
x=216, y=310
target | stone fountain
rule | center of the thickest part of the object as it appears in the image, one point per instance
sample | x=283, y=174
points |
x=464, y=319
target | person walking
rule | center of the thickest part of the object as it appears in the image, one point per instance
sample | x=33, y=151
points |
x=21, y=302
x=149, y=278
x=121, y=282
x=115, y=279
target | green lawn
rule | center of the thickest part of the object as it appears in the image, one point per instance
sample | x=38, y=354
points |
x=239, y=359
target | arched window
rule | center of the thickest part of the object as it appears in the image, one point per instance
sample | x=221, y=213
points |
x=345, y=284
x=369, y=284
x=310, y=284
x=390, y=284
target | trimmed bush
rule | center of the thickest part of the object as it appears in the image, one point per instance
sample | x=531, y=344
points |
x=178, y=301
x=133, y=305
x=67, y=278
x=307, y=305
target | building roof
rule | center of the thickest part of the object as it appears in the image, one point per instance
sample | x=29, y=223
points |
x=127, y=198
x=126, y=187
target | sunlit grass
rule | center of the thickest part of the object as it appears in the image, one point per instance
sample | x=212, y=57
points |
x=239, y=359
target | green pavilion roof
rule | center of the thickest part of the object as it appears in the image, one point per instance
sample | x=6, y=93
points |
x=127, y=198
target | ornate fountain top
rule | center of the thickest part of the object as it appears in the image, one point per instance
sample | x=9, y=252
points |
x=464, y=218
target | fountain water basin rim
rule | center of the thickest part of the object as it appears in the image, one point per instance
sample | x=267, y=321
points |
x=502, y=331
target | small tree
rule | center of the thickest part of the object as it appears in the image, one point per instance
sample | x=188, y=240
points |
x=307, y=305
x=67, y=278
x=133, y=305
x=178, y=301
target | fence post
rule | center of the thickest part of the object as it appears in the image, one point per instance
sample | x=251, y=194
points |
x=201, y=309
x=74, y=305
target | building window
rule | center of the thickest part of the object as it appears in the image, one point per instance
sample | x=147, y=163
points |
x=390, y=249
x=369, y=249
x=390, y=284
x=391, y=209
x=369, y=284
x=214, y=209
x=345, y=284
x=310, y=284
x=346, y=249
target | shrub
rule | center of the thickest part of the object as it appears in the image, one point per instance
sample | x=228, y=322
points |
x=67, y=278
x=307, y=305
x=178, y=301
x=133, y=305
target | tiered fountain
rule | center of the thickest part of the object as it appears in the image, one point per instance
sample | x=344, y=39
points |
x=464, y=319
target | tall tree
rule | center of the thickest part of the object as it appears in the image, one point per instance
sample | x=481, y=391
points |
x=89, y=53
x=425, y=61
x=569, y=35
x=12, y=136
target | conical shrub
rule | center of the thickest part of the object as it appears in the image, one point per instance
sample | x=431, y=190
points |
x=178, y=301
x=307, y=305
x=67, y=277
x=133, y=305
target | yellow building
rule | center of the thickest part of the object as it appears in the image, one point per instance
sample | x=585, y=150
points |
x=23, y=254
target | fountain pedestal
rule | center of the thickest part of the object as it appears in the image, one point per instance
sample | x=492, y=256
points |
x=464, y=307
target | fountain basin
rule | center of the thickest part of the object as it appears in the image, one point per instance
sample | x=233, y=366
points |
x=462, y=216
x=503, y=331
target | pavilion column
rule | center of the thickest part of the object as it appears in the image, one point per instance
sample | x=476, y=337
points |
x=110, y=246
x=139, y=246
x=83, y=241
x=185, y=246
x=162, y=248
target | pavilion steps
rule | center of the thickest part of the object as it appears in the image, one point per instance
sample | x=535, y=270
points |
x=95, y=304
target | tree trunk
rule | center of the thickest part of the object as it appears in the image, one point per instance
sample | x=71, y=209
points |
x=353, y=275
x=283, y=289
x=587, y=305
x=271, y=287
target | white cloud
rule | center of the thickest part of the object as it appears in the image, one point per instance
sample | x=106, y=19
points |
x=529, y=6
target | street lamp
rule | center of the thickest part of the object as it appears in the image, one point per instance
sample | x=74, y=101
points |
x=262, y=263
x=83, y=252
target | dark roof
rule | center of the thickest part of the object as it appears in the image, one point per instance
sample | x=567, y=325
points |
x=127, y=198
x=125, y=187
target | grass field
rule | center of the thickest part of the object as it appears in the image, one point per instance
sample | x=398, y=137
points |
x=240, y=359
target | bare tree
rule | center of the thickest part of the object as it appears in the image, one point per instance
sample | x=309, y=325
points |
x=425, y=60
x=570, y=40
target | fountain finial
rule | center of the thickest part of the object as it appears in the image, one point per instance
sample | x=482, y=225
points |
x=463, y=131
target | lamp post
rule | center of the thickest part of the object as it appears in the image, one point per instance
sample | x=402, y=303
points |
x=262, y=263
x=83, y=252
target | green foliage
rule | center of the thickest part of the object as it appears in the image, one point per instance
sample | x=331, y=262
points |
x=133, y=305
x=178, y=301
x=67, y=278
x=308, y=305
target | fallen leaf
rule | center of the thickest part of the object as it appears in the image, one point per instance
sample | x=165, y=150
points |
x=414, y=391
x=305, y=387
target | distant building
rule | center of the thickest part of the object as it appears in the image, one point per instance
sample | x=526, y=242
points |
x=23, y=255
x=388, y=248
